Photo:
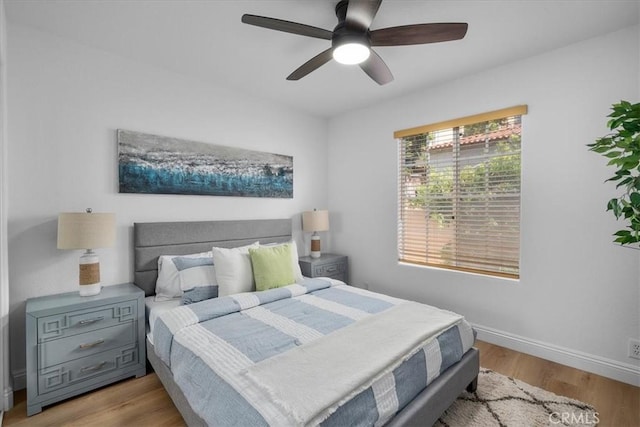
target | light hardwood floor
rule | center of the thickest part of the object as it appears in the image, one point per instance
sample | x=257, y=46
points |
x=618, y=404
x=143, y=401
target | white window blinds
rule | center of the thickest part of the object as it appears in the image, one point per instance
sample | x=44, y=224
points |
x=459, y=193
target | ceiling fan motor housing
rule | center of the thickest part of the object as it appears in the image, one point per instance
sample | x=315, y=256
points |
x=343, y=33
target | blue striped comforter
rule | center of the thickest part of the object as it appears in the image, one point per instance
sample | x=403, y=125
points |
x=209, y=344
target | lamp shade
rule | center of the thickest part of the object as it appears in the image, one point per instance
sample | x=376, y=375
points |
x=315, y=221
x=78, y=230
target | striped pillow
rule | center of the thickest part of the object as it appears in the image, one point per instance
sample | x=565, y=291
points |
x=178, y=274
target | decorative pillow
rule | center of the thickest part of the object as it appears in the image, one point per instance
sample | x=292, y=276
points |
x=177, y=273
x=272, y=266
x=199, y=293
x=233, y=269
x=197, y=278
x=295, y=265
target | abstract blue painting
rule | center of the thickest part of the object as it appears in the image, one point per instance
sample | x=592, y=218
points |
x=162, y=165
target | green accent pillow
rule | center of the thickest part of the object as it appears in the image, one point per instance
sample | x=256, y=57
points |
x=272, y=266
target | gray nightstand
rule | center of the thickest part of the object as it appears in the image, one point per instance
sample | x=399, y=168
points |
x=76, y=344
x=328, y=265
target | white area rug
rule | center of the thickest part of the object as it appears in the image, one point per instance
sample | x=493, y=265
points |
x=501, y=401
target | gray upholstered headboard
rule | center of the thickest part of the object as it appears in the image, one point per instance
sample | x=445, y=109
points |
x=152, y=239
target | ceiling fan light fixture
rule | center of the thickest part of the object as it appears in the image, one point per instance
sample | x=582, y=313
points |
x=351, y=53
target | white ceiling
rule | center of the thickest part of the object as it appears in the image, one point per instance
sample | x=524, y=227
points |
x=205, y=39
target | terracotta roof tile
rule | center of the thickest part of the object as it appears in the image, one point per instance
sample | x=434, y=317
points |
x=499, y=134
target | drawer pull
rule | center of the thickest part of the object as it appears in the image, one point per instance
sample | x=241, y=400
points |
x=90, y=344
x=93, y=368
x=90, y=321
x=332, y=268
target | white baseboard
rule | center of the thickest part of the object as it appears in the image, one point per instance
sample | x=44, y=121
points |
x=7, y=399
x=19, y=379
x=613, y=369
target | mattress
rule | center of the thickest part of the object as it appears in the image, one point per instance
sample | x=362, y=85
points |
x=213, y=346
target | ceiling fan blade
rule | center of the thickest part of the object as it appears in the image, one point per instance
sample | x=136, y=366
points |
x=418, y=34
x=360, y=13
x=375, y=68
x=311, y=65
x=287, y=26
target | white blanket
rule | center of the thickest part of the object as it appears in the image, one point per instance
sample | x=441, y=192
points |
x=309, y=382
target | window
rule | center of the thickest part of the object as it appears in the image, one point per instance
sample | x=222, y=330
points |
x=459, y=193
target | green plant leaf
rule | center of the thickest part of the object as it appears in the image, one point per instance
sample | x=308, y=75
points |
x=614, y=123
x=624, y=182
x=622, y=143
x=614, y=206
x=600, y=149
x=623, y=240
x=627, y=240
x=613, y=154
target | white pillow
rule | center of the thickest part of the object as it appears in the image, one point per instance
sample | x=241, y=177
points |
x=233, y=269
x=172, y=278
x=297, y=272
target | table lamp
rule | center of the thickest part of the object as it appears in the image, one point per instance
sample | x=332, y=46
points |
x=88, y=230
x=314, y=221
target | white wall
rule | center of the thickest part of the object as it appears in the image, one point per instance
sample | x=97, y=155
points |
x=577, y=299
x=66, y=102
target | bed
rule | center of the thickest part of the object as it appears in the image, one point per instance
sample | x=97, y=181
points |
x=153, y=240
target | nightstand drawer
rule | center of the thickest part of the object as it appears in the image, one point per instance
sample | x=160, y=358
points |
x=81, y=321
x=327, y=265
x=70, y=348
x=86, y=368
x=330, y=269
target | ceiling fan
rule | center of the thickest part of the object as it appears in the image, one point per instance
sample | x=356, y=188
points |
x=352, y=38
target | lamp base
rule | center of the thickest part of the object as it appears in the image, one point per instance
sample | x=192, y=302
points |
x=315, y=246
x=89, y=274
x=90, y=290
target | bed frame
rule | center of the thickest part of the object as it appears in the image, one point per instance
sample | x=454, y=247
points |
x=179, y=238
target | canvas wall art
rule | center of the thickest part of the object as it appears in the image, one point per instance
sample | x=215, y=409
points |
x=162, y=165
